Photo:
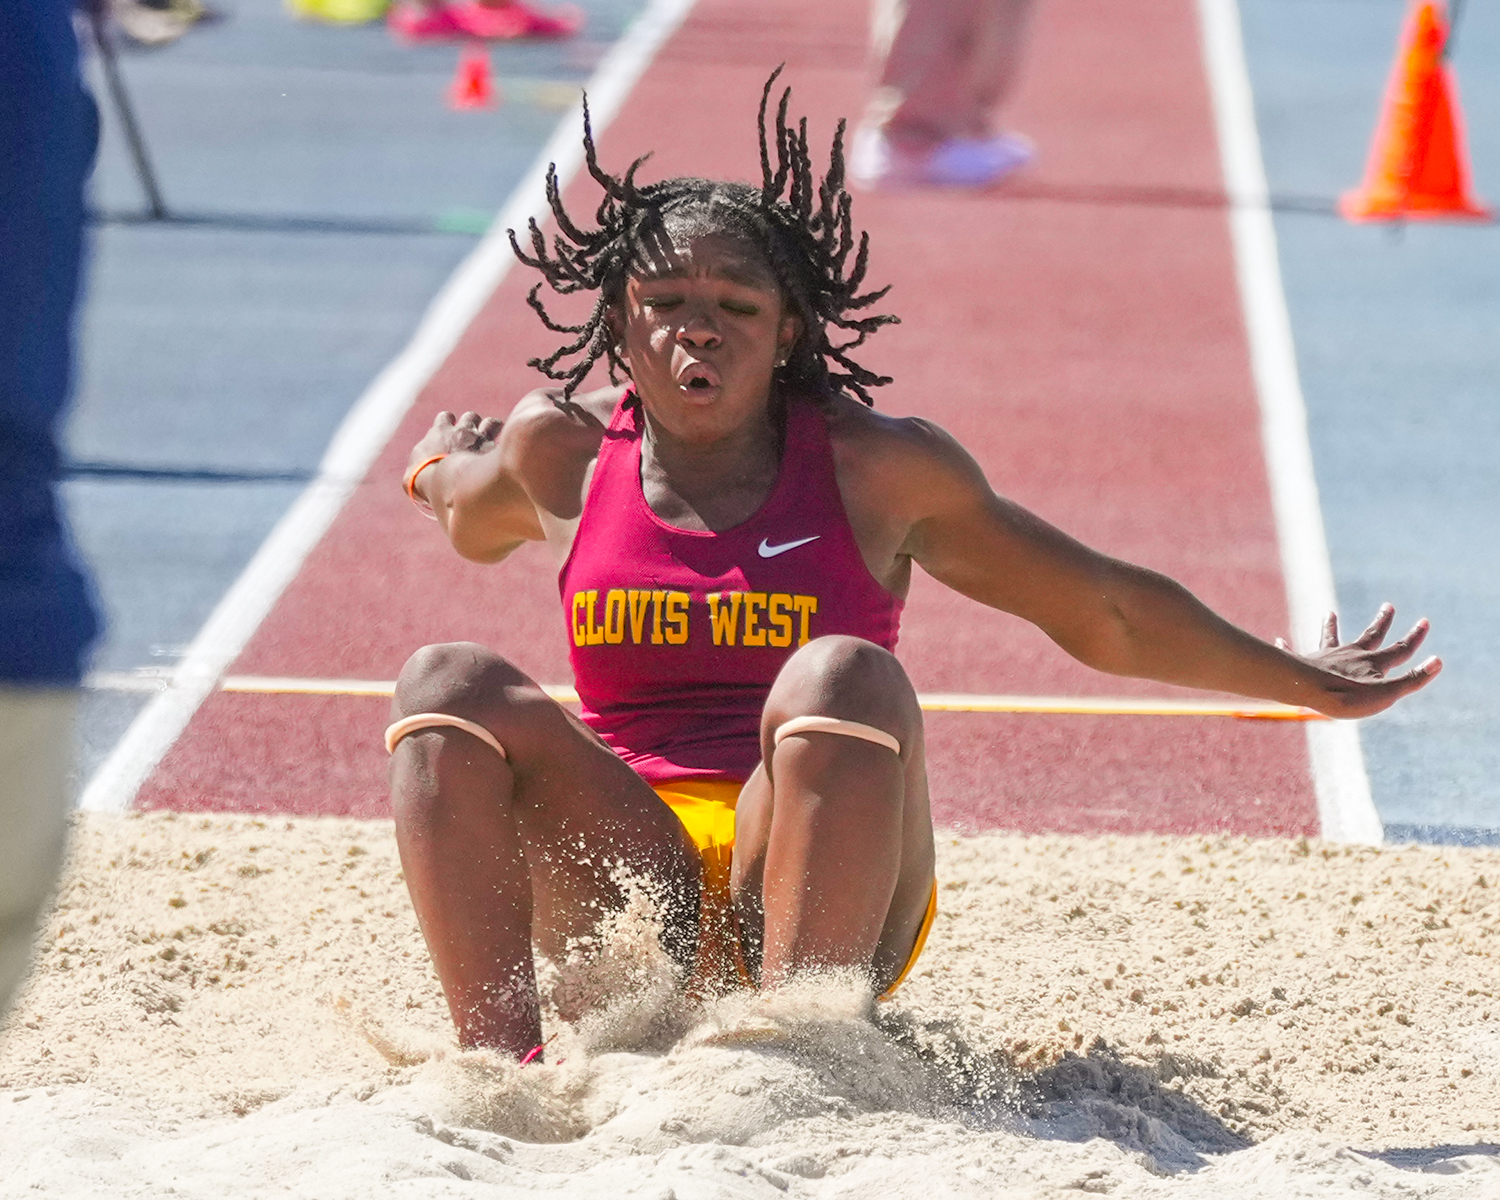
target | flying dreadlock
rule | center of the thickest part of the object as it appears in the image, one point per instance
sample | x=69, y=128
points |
x=808, y=241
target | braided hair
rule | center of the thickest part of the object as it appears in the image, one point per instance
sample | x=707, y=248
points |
x=807, y=239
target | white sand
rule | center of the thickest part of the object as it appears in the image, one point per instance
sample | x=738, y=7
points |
x=237, y=1008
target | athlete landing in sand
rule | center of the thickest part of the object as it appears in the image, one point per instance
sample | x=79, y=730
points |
x=735, y=531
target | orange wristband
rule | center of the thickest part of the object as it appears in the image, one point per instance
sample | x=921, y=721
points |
x=410, y=482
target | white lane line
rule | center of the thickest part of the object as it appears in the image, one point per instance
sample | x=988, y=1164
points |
x=142, y=679
x=286, y=685
x=368, y=426
x=1346, y=810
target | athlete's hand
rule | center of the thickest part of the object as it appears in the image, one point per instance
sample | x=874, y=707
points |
x=452, y=435
x=1357, y=683
x=470, y=433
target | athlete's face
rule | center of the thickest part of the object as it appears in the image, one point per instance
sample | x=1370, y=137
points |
x=703, y=325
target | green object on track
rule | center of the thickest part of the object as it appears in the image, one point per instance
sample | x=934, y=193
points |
x=463, y=220
x=338, y=12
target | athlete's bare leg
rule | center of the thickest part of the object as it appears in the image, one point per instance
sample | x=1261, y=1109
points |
x=833, y=854
x=499, y=853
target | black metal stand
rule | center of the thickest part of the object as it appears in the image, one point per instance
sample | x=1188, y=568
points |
x=156, y=207
x=1455, y=15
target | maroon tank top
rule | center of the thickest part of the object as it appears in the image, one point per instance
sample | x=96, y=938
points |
x=676, y=635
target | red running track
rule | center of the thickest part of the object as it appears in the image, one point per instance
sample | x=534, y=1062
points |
x=1080, y=331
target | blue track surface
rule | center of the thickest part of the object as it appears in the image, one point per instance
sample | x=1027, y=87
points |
x=319, y=176
x=1398, y=341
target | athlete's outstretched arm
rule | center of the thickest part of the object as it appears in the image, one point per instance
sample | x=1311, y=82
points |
x=1125, y=619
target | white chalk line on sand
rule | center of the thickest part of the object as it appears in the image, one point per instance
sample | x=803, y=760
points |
x=966, y=702
x=368, y=426
x=1346, y=810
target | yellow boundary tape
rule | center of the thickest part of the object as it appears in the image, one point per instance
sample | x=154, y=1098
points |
x=1089, y=706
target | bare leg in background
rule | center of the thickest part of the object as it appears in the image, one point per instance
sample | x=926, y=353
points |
x=948, y=65
x=943, y=68
x=36, y=751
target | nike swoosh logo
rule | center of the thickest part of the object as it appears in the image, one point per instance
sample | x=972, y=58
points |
x=769, y=551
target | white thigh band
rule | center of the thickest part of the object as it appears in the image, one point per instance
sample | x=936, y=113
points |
x=433, y=720
x=833, y=725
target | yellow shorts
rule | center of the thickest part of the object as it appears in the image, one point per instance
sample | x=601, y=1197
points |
x=706, y=809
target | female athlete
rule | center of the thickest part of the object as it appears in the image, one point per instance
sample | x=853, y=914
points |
x=735, y=532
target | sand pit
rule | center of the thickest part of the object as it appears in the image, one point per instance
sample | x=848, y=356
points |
x=236, y=1007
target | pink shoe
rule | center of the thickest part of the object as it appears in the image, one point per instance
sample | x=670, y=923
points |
x=515, y=20
x=876, y=162
x=412, y=22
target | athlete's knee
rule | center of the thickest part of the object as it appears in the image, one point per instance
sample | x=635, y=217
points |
x=847, y=678
x=473, y=683
x=465, y=674
x=845, y=670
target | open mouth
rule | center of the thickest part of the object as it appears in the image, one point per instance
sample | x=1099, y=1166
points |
x=698, y=377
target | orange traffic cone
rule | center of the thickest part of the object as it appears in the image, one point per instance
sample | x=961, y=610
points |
x=473, y=84
x=1418, y=167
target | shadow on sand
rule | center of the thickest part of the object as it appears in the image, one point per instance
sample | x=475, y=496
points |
x=1096, y=1094
x=1435, y=1160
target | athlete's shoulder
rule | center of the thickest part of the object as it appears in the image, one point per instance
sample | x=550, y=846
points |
x=547, y=415
x=867, y=438
x=895, y=473
x=546, y=431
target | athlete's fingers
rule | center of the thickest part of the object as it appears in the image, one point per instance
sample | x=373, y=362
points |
x=1375, y=632
x=1376, y=696
x=1330, y=638
x=443, y=418
x=490, y=428
x=1403, y=648
x=470, y=420
x=1418, y=677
